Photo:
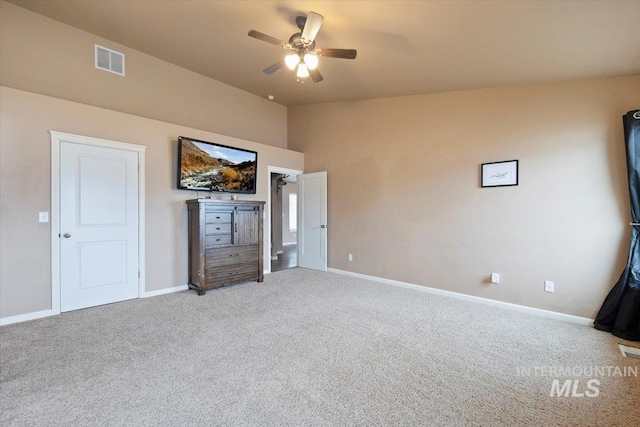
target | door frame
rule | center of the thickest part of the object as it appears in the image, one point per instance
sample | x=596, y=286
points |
x=56, y=139
x=267, y=246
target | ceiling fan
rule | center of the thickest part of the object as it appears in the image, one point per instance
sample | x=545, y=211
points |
x=304, y=58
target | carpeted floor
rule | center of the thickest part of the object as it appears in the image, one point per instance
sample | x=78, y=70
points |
x=306, y=348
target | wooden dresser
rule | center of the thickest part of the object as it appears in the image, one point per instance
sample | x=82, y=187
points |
x=225, y=243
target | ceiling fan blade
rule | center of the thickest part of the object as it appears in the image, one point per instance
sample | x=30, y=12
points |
x=275, y=67
x=265, y=38
x=315, y=75
x=338, y=53
x=311, y=27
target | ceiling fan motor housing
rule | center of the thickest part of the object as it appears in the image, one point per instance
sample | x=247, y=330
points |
x=297, y=44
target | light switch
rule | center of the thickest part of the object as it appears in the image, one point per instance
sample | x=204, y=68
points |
x=43, y=216
x=549, y=286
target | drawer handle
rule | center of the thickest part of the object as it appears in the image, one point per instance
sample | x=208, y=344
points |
x=234, y=254
x=217, y=240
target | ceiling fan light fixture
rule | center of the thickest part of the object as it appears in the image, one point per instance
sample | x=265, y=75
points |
x=302, y=56
x=303, y=71
x=311, y=60
x=292, y=61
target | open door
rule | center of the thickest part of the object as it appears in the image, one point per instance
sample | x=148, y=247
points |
x=312, y=221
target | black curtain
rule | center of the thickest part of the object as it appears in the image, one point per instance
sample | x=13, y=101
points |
x=620, y=313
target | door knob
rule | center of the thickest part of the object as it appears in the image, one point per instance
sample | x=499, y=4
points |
x=66, y=235
x=323, y=226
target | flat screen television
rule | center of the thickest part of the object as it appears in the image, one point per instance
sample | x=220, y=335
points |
x=214, y=167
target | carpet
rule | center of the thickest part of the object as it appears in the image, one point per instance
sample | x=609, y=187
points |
x=315, y=349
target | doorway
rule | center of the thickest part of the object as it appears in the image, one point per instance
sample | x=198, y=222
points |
x=280, y=227
x=284, y=224
x=97, y=190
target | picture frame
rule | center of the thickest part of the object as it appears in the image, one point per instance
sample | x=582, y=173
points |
x=500, y=174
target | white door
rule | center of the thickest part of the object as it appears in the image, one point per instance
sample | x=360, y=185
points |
x=98, y=225
x=312, y=221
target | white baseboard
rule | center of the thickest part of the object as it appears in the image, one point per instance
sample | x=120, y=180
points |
x=46, y=313
x=165, y=291
x=27, y=316
x=509, y=306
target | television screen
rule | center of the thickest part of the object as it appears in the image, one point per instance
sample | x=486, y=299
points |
x=213, y=167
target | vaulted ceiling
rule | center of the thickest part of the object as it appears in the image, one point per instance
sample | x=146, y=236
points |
x=404, y=47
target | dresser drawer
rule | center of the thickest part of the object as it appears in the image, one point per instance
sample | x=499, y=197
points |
x=217, y=257
x=227, y=275
x=217, y=217
x=217, y=240
x=217, y=228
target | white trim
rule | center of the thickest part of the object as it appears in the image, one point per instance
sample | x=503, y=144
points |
x=24, y=317
x=96, y=142
x=290, y=244
x=142, y=271
x=55, y=222
x=509, y=306
x=56, y=139
x=47, y=313
x=267, y=225
x=165, y=291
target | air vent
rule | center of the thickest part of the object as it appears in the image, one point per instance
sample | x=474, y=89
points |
x=630, y=352
x=109, y=60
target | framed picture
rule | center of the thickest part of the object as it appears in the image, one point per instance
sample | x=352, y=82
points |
x=500, y=174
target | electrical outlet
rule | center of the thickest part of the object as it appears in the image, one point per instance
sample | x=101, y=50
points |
x=549, y=286
x=350, y=257
x=43, y=216
x=495, y=278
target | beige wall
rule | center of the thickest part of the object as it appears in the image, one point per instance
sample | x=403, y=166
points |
x=25, y=158
x=404, y=194
x=45, y=56
x=288, y=237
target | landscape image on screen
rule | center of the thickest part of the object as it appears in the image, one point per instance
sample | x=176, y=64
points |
x=208, y=166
